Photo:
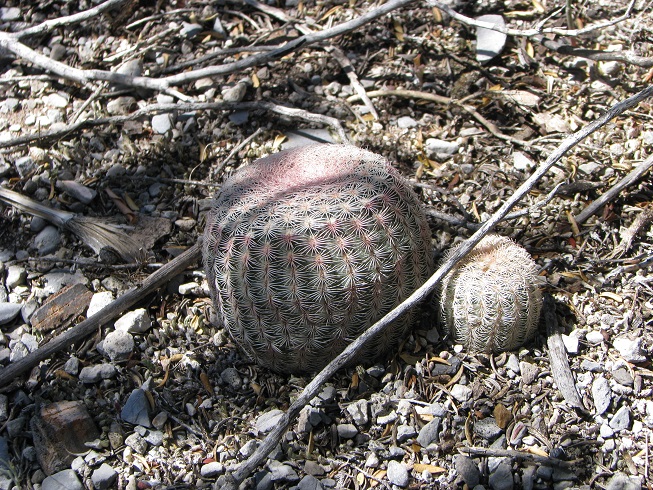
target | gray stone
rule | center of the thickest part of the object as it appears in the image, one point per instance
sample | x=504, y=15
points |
x=77, y=191
x=212, y=469
x=501, y=478
x=120, y=105
x=630, y=350
x=347, y=431
x=136, y=321
x=621, y=419
x=359, y=413
x=16, y=275
x=97, y=372
x=136, y=442
x=56, y=100
x=189, y=30
x=231, y=377
x=63, y=480
x=309, y=482
x=235, y=93
x=621, y=481
x=622, y=376
x=405, y=432
x=487, y=428
x=601, y=394
x=248, y=448
x=467, y=469
x=591, y=366
x=18, y=351
x=268, y=421
x=296, y=138
x=8, y=312
x=429, y=433
x=24, y=166
x=313, y=469
x=594, y=337
x=406, y=122
x=282, y=472
x=10, y=14
x=48, y=240
x=118, y=345
x=461, y=393
x=56, y=281
x=397, y=474
x=489, y=43
x=99, y=301
x=154, y=437
x=162, y=123
x=239, y=118
x=137, y=409
x=131, y=68
x=529, y=372
x=104, y=477
x=440, y=149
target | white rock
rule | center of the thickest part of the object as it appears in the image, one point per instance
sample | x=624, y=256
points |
x=489, y=43
x=630, y=350
x=162, y=123
x=118, y=345
x=440, y=149
x=267, y=421
x=521, y=161
x=594, y=337
x=571, y=343
x=461, y=393
x=136, y=321
x=358, y=411
x=99, y=301
x=397, y=474
x=601, y=394
x=57, y=100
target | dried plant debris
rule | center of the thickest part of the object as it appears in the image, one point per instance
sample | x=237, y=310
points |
x=164, y=395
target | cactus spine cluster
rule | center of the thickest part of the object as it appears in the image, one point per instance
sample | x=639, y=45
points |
x=491, y=300
x=305, y=249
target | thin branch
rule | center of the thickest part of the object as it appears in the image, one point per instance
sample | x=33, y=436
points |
x=441, y=99
x=10, y=43
x=290, y=112
x=69, y=20
x=346, y=66
x=607, y=196
x=231, y=481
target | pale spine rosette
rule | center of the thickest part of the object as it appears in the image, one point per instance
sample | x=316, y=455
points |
x=491, y=300
x=305, y=249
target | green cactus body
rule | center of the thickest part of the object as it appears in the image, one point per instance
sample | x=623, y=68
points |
x=491, y=300
x=305, y=249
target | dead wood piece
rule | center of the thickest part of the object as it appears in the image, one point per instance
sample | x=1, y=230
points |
x=61, y=308
x=558, y=357
x=104, y=316
x=641, y=222
x=614, y=191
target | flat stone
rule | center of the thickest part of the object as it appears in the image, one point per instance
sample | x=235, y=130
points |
x=405, y=432
x=48, y=240
x=430, y=433
x=440, y=149
x=77, y=191
x=118, y=345
x=461, y=393
x=282, y=472
x=134, y=322
x=621, y=481
x=601, y=394
x=137, y=409
x=212, y=469
x=61, y=431
x=312, y=468
x=268, y=421
x=397, y=474
x=162, y=123
x=529, y=372
x=622, y=376
x=467, y=469
x=98, y=302
x=309, y=482
x=347, y=431
x=62, y=480
x=489, y=43
x=501, y=478
x=97, y=372
x=296, y=138
x=487, y=428
x=359, y=413
x=630, y=350
x=56, y=281
x=8, y=312
x=621, y=419
x=24, y=166
x=104, y=477
x=190, y=30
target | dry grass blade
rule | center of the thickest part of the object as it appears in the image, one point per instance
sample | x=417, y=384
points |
x=98, y=235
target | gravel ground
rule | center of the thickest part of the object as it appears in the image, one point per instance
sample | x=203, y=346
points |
x=162, y=398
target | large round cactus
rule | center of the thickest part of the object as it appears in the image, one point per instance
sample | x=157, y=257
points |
x=305, y=249
x=491, y=299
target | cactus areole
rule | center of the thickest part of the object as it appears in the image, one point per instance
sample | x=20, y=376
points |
x=307, y=248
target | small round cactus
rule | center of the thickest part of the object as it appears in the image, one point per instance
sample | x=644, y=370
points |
x=491, y=300
x=307, y=248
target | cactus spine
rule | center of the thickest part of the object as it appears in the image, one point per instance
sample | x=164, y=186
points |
x=491, y=300
x=305, y=249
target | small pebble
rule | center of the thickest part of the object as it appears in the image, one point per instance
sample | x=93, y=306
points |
x=429, y=433
x=212, y=469
x=601, y=394
x=104, y=477
x=501, y=478
x=48, y=240
x=594, y=337
x=347, y=431
x=469, y=471
x=118, y=345
x=461, y=393
x=134, y=322
x=97, y=372
x=621, y=419
x=397, y=474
